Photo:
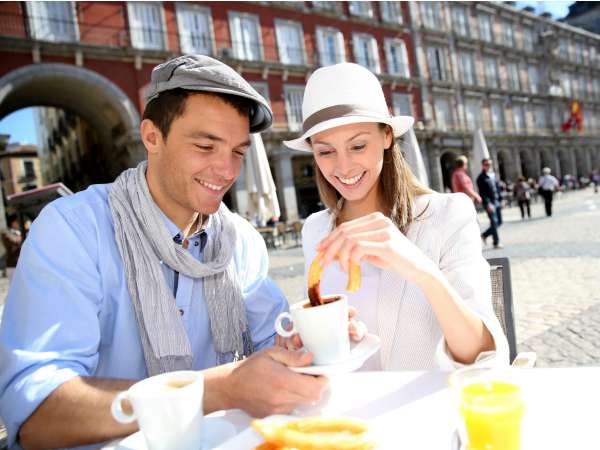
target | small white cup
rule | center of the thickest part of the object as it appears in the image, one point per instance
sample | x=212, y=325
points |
x=323, y=329
x=169, y=417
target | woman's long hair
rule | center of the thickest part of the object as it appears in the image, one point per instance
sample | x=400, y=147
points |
x=397, y=184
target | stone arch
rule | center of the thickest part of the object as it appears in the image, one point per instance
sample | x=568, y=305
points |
x=582, y=162
x=566, y=162
x=507, y=168
x=527, y=163
x=88, y=94
x=447, y=162
x=548, y=159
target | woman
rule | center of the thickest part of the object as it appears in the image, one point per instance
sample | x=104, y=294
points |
x=425, y=285
x=522, y=192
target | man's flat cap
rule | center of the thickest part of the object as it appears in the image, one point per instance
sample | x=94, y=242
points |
x=203, y=73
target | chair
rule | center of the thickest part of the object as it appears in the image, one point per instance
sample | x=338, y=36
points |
x=502, y=300
x=281, y=232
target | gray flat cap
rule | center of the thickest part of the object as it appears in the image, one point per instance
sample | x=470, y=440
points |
x=203, y=73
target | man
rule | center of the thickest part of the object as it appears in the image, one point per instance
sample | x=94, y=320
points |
x=12, y=241
x=547, y=185
x=150, y=274
x=490, y=197
x=461, y=181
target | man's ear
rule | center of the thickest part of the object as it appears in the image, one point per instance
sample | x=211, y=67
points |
x=151, y=136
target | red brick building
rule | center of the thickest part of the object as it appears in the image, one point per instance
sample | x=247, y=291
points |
x=95, y=58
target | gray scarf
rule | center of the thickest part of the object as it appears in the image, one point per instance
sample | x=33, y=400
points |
x=145, y=243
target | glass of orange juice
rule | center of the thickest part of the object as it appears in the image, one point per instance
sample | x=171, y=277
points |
x=491, y=405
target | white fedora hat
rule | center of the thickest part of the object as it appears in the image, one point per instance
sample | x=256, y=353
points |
x=342, y=94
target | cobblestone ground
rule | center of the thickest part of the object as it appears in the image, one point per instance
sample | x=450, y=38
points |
x=555, y=266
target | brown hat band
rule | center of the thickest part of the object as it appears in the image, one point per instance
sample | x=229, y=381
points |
x=336, y=111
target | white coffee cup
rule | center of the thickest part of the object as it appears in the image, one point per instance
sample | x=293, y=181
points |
x=168, y=409
x=323, y=329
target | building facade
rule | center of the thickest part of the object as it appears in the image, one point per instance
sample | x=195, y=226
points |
x=455, y=66
x=584, y=15
x=515, y=75
x=20, y=168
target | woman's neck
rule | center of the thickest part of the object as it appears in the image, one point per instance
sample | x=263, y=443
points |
x=354, y=209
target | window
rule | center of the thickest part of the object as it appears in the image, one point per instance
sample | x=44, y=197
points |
x=528, y=41
x=473, y=114
x=361, y=9
x=53, y=21
x=366, y=52
x=443, y=114
x=293, y=106
x=498, y=119
x=390, y=12
x=563, y=48
x=492, y=78
x=432, y=15
x=28, y=170
x=539, y=117
x=578, y=52
x=402, y=104
x=534, y=80
x=519, y=116
x=330, y=43
x=508, y=33
x=460, y=21
x=566, y=84
x=327, y=6
x=397, y=57
x=467, y=65
x=583, y=87
x=438, y=66
x=195, y=29
x=596, y=88
x=513, y=76
x=262, y=89
x=245, y=36
x=593, y=55
x=485, y=28
x=146, y=23
x=290, y=42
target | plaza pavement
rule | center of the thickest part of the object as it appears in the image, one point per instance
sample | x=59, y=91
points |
x=555, y=266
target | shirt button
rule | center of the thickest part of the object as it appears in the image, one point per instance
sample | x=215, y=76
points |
x=181, y=312
x=196, y=243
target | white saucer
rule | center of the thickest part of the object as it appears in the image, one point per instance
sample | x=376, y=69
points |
x=359, y=353
x=216, y=431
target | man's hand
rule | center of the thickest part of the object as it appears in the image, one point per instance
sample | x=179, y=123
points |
x=262, y=384
x=356, y=330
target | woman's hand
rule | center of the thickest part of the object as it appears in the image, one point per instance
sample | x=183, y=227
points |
x=356, y=330
x=374, y=238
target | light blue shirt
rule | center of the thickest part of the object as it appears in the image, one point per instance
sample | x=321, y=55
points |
x=68, y=310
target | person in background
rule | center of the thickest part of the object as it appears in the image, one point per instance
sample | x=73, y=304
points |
x=522, y=193
x=12, y=240
x=461, y=181
x=490, y=197
x=547, y=185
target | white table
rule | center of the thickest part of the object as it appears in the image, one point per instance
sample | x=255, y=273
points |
x=414, y=410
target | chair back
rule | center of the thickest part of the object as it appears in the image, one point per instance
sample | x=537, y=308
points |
x=502, y=300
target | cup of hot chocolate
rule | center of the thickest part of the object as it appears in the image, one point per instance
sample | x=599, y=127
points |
x=322, y=328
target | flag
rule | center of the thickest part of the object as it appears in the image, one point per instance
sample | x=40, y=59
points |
x=575, y=119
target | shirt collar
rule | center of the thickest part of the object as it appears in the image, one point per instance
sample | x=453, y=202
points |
x=175, y=232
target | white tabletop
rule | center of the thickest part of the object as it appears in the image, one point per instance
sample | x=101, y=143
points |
x=415, y=410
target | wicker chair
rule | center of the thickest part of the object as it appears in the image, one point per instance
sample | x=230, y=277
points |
x=502, y=300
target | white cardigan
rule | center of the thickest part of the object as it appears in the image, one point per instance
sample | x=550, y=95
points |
x=447, y=232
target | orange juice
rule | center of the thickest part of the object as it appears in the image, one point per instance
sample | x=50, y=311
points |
x=492, y=412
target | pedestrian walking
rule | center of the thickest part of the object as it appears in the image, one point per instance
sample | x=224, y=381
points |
x=490, y=196
x=522, y=193
x=596, y=179
x=547, y=185
x=461, y=181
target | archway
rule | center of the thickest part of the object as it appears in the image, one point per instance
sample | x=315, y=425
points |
x=102, y=104
x=566, y=165
x=528, y=169
x=448, y=161
x=547, y=159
